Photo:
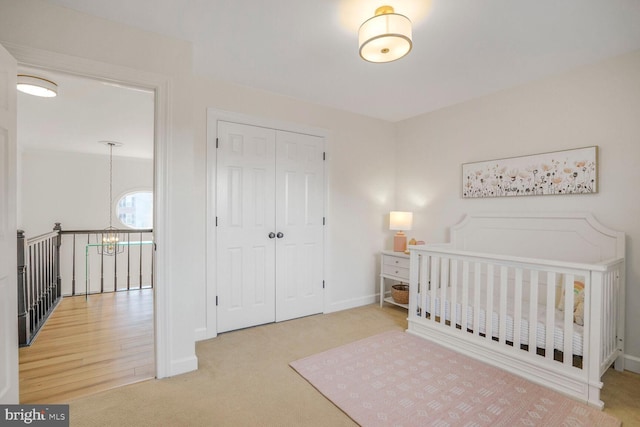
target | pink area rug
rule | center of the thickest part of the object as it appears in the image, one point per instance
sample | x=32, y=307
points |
x=397, y=379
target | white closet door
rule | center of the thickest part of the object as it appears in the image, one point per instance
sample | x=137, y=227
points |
x=299, y=217
x=245, y=200
x=8, y=262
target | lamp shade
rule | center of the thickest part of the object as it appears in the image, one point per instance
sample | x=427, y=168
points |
x=400, y=220
x=386, y=37
x=37, y=86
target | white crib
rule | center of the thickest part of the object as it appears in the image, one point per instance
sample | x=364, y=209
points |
x=483, y=293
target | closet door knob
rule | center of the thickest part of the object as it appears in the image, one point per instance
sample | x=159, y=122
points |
x=272, y=235
x=279, y=235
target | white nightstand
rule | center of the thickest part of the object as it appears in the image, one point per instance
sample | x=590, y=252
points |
x=394, y=267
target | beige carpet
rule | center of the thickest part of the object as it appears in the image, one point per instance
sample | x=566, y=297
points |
x=245, y=380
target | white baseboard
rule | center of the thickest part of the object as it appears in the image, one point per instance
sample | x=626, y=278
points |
x=351, y=303
x=182, y=366
x=204, y=334
x=632, y=363
x=201, y=334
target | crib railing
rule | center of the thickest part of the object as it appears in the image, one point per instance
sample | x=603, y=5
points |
x=496, y=300
x=504, y=310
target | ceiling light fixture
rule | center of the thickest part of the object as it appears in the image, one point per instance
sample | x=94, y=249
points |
x=386, y=37
x=37, y=86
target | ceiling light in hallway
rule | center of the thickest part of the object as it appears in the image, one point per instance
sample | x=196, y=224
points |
x=37, y=86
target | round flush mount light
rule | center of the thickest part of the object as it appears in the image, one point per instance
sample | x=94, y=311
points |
x=37, y=86
x=386, y=37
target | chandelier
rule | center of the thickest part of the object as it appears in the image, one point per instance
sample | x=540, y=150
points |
x=110, y=243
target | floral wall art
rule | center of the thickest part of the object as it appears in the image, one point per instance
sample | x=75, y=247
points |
x=560, y=172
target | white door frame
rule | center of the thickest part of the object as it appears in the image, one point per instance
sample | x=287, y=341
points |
x=161, y=85
x=9, y=365
x=214, y=115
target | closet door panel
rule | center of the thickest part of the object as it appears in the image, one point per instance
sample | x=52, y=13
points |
x=299, y=217
x=245, y=200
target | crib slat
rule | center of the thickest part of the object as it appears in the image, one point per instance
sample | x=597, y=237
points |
x=425, y=272
x=592, y=345
x=550, y=310
x=517, y=309
x=606, y=314
x=477, y=272
x=567, y=358
x=533, y=312
x=608, y=330
x=502, y=329
x=453, y=308
x=465, y=295
x=444, y=283
x=414, y=284
x=489, y=310
x=433, y=286
x=612, y=303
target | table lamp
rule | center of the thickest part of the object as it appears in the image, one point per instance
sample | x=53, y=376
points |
x=401, y=222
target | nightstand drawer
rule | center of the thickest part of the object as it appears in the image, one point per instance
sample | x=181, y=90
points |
x=394, y=270
x=395, y=261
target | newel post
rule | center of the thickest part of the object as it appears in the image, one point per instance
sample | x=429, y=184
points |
x=23, y=325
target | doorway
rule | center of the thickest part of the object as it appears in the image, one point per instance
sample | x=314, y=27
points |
x=63, y=164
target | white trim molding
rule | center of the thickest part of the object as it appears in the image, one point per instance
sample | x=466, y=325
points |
x=162, y=87
x=632, y=363
x=351, y=303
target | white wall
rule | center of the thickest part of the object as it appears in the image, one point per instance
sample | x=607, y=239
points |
x=360, y=173
x=360, y=168
x=62, y=36
x=73, y=189
x=597, y=104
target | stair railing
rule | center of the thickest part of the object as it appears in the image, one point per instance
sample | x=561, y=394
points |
x=58, y=264
x=39, y=284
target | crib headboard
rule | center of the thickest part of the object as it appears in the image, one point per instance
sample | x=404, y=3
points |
x=559, y=236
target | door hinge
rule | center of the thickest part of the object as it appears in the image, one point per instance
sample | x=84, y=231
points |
x=323, y=284
x=324, y=220
x=216, y=221
x=217, y=143
x=216, y=300
x=155, y=246
x=324, y=155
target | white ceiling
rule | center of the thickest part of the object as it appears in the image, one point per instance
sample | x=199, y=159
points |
x=84, y=113
x=307, y=49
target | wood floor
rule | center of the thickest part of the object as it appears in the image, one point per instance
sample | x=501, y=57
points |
x=90, y=346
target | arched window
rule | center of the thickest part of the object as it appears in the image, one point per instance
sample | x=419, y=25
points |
x=135, y=209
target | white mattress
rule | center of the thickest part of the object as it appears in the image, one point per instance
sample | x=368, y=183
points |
x=558, y=336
